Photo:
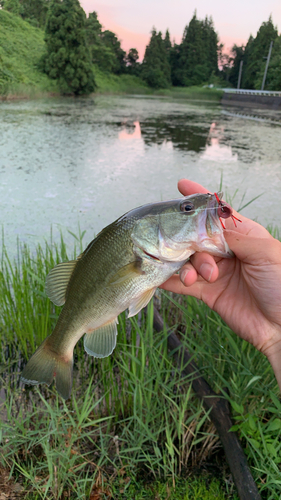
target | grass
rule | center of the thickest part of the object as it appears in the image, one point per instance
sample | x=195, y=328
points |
x=21, y=46
x=129, y=84
x=188, y=489
x=119, y=84
x=132, y=419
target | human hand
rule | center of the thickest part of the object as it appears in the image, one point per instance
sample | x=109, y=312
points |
x=244, y=290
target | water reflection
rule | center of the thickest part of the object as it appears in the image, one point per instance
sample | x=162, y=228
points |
x=177, y=130
x=215, y=149
x=130, y=131
x=169, y=133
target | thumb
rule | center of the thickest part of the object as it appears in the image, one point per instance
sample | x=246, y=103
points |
x=250, y=249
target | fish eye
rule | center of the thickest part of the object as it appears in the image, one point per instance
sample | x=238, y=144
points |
x=187, y=206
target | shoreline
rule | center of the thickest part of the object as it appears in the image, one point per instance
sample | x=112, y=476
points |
x=188, y=93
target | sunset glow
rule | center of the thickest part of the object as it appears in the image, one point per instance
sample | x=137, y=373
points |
x=132, y=21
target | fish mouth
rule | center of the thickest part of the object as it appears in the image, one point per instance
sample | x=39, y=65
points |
x=214, y=228
x=150, y=255
x=212, y=219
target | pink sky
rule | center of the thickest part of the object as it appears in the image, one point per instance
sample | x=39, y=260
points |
x=132, y=21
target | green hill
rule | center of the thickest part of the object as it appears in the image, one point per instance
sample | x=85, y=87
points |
x=21, y=46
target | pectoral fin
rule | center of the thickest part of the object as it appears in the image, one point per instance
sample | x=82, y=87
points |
x=140, y=302
x=130, y=271
x=57, y=281
x=102, y=341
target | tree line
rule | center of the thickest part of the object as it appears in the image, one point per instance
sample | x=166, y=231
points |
x=75, y=42
x=254, y=55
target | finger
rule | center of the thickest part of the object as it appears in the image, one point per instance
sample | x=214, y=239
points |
x=187, y=187
x=251, y=249
x=206, y=266
x=247, y=226
x=186, y=282
x=188, y=274
x=175, y=285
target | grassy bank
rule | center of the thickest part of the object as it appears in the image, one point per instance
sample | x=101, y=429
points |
x=192, y=93
x=128, y=84
x=21, y=46
x=108, y=83
x=132, y=426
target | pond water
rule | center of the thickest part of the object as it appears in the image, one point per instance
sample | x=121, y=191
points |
x=65, y=161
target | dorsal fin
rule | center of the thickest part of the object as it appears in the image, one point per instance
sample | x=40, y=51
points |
x=57, y=281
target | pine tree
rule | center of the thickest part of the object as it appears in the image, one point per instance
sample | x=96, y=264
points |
x=68, y=57
x=273, y=78
x=174, y=59
x=133, y=66
x=132, y=57
x=35, y=11
x=111, y=41
x=197, y=54
x=93, y=29
x=32, y=11
x=156, y=70
x=191, y=53
x=256, y=52
x=237, y=55
x=211, y=48
x=101, y=54
x=167, y=42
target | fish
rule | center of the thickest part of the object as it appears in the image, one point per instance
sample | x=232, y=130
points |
x=121, y=269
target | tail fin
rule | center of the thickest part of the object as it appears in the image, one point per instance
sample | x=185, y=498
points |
x=44, y=365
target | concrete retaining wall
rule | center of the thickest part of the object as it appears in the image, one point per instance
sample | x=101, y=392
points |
x=251, y=100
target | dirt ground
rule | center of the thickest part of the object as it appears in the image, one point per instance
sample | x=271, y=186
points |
x=8, y=488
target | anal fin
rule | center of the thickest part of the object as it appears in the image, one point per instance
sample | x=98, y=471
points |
x=101, y=342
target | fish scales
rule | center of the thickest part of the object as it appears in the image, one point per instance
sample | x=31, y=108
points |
x=120, y=269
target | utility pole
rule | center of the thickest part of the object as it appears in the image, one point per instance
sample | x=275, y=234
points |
x=240, y=74
x=266, y=66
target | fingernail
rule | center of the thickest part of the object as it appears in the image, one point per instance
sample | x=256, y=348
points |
x=206, y=271
x=183, y=275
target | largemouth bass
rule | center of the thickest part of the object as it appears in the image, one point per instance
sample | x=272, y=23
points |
x=121, y=268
